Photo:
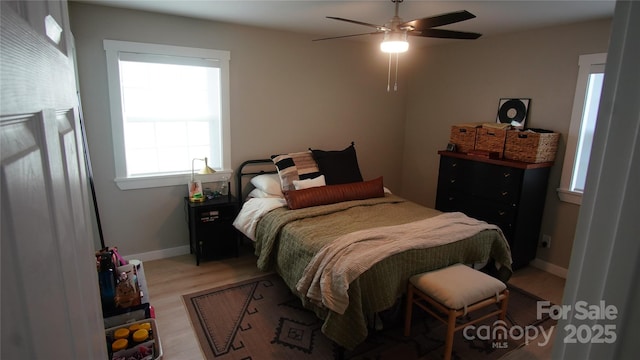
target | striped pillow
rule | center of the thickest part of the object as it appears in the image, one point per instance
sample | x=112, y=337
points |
x=295, y=166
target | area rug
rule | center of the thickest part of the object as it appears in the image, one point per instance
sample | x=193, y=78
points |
x=261, y=319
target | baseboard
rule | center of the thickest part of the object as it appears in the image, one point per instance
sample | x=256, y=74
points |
x=160, y=254
x=549, y=267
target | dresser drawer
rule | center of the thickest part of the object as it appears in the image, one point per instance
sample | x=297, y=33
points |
x=492, y=212
x=454, y=173
x=497, y=183
x=454, y=166
x=503, y=194
x=452, y=200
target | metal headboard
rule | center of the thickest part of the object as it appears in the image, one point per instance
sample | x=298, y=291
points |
x=243, y=173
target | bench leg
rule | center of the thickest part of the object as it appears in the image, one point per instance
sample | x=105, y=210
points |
x=505, y=303
x=408, y=311
x=451, y=326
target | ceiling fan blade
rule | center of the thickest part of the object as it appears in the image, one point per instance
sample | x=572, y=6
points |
x=346, y=36
x=445, y=34
x=377, y=27
x=439, y=20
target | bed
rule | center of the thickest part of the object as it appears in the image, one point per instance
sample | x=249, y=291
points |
x=348, y=260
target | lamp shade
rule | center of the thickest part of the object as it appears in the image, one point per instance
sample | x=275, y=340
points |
x=394, y=42
x=206, y=169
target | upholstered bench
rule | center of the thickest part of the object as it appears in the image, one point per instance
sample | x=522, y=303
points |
x=454, y=291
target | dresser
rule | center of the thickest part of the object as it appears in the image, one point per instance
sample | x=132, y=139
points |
x=506, y=193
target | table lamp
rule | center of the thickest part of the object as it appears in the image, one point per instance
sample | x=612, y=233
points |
x=195, y=186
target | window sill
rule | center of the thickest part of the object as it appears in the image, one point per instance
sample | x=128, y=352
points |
x=170, y=180
x=569, y=196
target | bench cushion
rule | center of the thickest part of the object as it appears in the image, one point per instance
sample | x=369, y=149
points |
x=457, y=286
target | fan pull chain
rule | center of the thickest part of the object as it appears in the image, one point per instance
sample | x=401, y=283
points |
x=395, y=85
x=389, y=75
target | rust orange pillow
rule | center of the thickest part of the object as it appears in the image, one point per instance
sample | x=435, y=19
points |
x=331, y=194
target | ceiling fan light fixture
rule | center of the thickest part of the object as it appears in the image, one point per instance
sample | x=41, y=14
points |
x=394, y=42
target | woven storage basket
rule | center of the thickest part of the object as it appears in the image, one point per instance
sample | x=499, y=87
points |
x=464, y=137
x=492, y=140
x=530, y=146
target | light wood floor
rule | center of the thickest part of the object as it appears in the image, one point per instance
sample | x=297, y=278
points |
x=540, y=283
x=169, y=279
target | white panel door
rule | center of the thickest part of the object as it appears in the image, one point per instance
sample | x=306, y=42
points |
x=50, y=298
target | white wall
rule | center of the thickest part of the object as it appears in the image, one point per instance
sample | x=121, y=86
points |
x=287, y=94
x=463, y=82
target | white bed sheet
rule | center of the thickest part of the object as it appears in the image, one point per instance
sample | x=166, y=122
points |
x=252, y=211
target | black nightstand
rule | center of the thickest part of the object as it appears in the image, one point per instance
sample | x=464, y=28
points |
x=211, y=231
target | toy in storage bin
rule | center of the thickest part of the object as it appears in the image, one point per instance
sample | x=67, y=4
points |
x=137, y=340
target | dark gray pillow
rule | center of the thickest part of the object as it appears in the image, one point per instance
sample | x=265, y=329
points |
x=338, y=166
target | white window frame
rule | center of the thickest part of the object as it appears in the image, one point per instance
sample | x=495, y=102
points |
x=586, y=64
x=113, y=49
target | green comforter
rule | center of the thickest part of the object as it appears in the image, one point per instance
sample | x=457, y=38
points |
x=287, y=240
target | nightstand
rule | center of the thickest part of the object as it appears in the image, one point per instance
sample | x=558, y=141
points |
x=211, y=231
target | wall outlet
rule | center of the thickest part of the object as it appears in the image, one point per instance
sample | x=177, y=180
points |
x=546, y=241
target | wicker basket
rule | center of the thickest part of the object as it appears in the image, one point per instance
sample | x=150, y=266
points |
x=530, y=146
x=464, y=137
x=491, y=140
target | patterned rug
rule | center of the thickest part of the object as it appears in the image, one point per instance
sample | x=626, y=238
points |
x=261, y=319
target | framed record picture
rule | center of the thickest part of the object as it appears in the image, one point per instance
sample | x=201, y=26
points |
x=513, y=111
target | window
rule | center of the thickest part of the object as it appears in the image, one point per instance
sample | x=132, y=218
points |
x=583, y=123
x=169, y=105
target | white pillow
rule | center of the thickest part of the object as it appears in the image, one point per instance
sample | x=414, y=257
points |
x=257, y=193
x=269, y=183
x=309, y=183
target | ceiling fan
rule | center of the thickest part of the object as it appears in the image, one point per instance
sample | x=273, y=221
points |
x=396, y=30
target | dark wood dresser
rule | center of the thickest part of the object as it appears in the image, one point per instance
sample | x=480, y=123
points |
x=510, y=194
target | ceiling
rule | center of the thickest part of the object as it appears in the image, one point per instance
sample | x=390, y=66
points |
x=309, y=17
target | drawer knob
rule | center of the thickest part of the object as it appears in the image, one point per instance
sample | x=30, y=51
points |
x=453, y=181
x=454, y=164
x=501, y=213
x=506, y=175
x=505, y=193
